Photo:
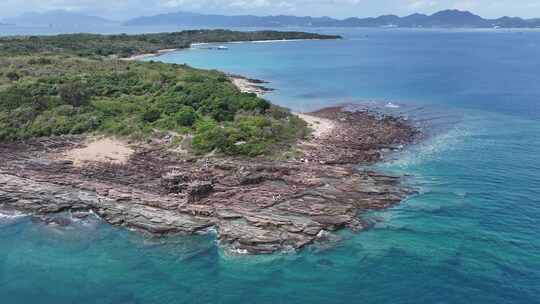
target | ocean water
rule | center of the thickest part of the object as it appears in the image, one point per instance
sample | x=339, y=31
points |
x=470, y=235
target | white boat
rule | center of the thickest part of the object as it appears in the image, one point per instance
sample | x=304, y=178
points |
x=391, y=105
x=222, y=48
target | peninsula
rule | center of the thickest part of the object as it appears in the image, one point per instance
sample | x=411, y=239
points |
x=167, y=149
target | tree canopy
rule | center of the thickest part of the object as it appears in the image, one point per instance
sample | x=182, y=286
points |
x=44, y=93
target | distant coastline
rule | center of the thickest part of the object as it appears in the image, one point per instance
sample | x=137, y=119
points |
x=149, y=55
x=258, y=41
x=167, y=51
x=442, y=19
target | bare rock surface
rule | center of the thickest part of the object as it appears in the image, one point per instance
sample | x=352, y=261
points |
x=256, y=206
x=248, y=85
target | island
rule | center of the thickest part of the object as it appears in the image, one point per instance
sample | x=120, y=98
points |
x=168, y=149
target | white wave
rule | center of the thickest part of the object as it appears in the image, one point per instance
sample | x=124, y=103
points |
x=11, y=215
x=392, y=106
x=430, y=149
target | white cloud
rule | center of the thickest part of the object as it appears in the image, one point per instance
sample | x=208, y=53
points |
x=466, y=5
x=422, y=5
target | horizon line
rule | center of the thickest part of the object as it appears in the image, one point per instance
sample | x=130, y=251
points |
x=261, y=16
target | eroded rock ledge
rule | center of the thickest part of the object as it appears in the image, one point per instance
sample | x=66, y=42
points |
x=256, y=206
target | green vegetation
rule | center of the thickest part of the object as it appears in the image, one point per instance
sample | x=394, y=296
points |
x=46, y=94
x=127, y=45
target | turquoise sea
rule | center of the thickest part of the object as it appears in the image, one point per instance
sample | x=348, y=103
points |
x=471, y=234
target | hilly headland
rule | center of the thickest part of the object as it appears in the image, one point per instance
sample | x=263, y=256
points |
x=168, y=149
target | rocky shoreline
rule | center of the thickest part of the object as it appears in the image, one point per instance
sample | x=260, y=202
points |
x=255, y=206
x=250, y=85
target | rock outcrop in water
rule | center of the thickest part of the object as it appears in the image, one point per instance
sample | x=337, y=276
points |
x=255, y=205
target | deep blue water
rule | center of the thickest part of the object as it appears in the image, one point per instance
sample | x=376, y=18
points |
x=471, y=235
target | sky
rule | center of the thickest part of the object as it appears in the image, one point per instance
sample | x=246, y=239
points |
x=124, y=9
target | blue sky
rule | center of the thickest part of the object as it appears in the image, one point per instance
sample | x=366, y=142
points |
x=122, y=9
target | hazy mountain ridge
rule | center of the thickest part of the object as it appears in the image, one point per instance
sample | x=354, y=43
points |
x=58, y=18
x=442, y=19
x=446, y=18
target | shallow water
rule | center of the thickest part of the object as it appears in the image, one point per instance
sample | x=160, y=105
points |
x=469, y=236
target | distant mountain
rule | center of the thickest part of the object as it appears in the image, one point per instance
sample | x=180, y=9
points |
x=442, y=19
x=508, y=22
x=194, y=19
x=456, y=18
x=59, y=18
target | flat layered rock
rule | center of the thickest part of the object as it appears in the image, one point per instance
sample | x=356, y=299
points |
x=256, y=207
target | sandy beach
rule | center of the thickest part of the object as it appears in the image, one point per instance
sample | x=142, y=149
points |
x=106, y=150
x=256, y=41
x=148, y=55
x=321, y=127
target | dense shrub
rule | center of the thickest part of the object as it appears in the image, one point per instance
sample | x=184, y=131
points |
x=75, y=93
x=151, y=115
x=40, y=61
x=186, y=116
x=209, y=136
x=126, y=45
x=13, y=75
x=64, y=94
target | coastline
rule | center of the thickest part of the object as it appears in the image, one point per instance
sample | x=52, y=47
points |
x=256, y=41
x=321, y=127
x=249, y=85
x=166, y=51
x=256, y=206
x=149, y=55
